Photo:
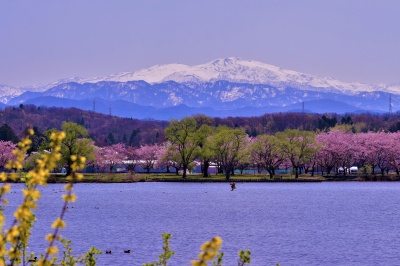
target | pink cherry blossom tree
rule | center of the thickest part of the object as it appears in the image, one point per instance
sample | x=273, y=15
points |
x=148, y=156
x=169, y=157
x=327, y=155
x=6, y=148
x=110, y=156
x=265, y=153
x=131, y=158
x=394, y=155
x=375, y=149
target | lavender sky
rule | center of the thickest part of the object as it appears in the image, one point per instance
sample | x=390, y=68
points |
x=350, y=40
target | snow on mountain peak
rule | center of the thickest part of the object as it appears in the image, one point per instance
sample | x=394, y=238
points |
x=238, y=70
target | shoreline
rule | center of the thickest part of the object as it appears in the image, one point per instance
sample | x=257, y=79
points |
x=156, y=177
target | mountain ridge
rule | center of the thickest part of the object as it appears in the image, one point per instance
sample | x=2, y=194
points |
x=222, y=84
x=237, y=70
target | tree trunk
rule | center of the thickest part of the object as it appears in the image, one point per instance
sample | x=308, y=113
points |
x=205, y=168
x=184, y=171
x=227, y=174
x=258, y=168
x=296, y=172
x=271, y=174
x=69, y=171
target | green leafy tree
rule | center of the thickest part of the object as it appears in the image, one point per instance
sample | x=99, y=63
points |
x=297, y=146
x=205, y=154
x=74, y=143
x=182, y=135
x=226, y=145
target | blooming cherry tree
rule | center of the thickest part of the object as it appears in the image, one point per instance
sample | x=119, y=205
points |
x=110, y=156
x=148, y=156
x=6, y=148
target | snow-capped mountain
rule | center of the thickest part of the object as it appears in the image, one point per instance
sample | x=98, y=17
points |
x=7, y=93
x=237, y=70
x=223, y=84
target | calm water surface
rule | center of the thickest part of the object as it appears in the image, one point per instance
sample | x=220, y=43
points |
x=286, y=223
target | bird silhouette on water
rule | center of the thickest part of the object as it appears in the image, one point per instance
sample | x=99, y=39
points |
x=33, y=260
x=233, y=186
x=127, y=251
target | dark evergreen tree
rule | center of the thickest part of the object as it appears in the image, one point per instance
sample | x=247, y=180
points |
x=8, y=134
x=37, y=138
x=135, y=138
x=110, y=139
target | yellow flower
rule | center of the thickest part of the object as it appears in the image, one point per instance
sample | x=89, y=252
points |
x=50, y=237
x=210, y=250
x=58, y=223
x=6, y=188
x=12, y=234
x=69, y=198
x=52, y=250
x=33, y=194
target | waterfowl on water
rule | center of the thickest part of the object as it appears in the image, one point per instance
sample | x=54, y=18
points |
x=33, y=260
x=108, y=251
x=127, y=251
x=233, y=186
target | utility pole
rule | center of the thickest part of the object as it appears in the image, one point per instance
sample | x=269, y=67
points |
x=109, y=110
x=390, y=103
x=94, y=105
x=302, y=109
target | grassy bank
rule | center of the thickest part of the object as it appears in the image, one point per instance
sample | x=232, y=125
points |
x=156, y=177
x=141, y=177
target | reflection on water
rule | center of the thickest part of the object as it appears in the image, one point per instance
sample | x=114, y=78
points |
x=286, y=223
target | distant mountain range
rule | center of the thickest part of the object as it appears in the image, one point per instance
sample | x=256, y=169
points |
x=224, y=87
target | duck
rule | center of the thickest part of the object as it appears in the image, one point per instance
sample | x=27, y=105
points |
x=127, y=251
x=33, y=260
x=108, y=251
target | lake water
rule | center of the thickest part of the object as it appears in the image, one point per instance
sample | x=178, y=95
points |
x=345, y=223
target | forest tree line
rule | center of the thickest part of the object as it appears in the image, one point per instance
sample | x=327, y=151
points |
x=107, y=130
x=189, y=142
